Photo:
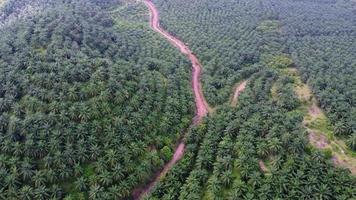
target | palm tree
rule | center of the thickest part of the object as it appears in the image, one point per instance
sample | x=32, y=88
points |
x=214, y=184
x=94, y=191
x=81, y=184
x=262, y=149
x=50, y=175
x=238, y=189
x=117, y=172
x=41, y=193
x=64, y=172
x=105, y=178
x=351, y=142
x=340, y=128
x=78, y=170
x=84, y=113
x=95, y=151
x=38, y=178
x=18, y=149
x=26, y=193
x=255, y=179
x=274, y=145
x=226, y=178
x=115, y=192
x=323, y=192
x=26, y=170
x=72, y=94
x=11, y=180
x=111, y=157
x=277, y=162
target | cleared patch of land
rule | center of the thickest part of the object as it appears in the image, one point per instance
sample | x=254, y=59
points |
x=320, y=130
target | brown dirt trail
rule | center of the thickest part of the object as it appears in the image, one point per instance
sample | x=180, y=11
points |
x=241, y=87
x=202, y=107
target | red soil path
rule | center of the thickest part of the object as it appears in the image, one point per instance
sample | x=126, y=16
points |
x=139, y=193
x=241, y=87
x=202, y=107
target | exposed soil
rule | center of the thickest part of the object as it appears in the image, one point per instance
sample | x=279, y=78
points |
x=319, y=141
x=138, y=193
x=345, y=162
x=202, y=107
x=318, y=135
x=237, y=92
x=314, y=111
x=263, y=166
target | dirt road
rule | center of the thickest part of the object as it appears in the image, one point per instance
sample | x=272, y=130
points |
x=202, y=107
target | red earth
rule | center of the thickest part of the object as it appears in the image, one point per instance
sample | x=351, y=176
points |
x=178, y=154
x=202, y=107
x=241, y=87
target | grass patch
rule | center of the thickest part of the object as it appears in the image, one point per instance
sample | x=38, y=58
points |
x=322, y=124
x=274, y=93
x=268, y=26
x=70, y=188
x=88, y=170
x=281, y=61
x=303, y=92
x=235, y=176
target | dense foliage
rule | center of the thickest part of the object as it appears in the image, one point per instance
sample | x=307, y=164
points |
x=260, y=149
x=223, y=35
x=92, y=101
x=223, y=155
x=86, y=102
x=322, y=38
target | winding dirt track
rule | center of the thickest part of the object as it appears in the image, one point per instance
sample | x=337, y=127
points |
x=202, y=107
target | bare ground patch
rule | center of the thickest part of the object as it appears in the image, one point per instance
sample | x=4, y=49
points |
x=318, y=140
x=320, y=132
x=263, y=167
x=238, y=89
x=314, y=111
